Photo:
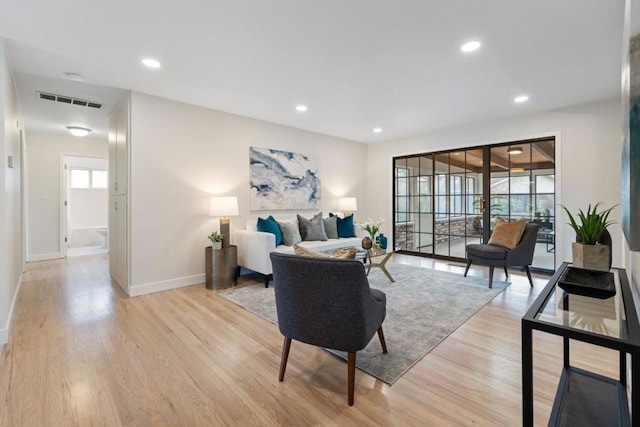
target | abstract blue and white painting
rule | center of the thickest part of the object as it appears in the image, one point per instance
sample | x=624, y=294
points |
x=282, y=180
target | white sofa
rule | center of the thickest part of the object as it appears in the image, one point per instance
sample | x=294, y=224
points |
x=255, y=246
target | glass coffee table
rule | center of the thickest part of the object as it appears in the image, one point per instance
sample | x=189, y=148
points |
x=381, y=264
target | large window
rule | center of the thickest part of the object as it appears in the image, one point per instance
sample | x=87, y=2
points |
x=449, y=199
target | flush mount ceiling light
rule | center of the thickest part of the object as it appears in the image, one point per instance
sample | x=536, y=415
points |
x=470, y=46
x=516, y=170
x=377, y=130
x=151, y=63
x=74, y=76
x=520, y=99
x=515, y=150
x=78, y=131
x=301, y=108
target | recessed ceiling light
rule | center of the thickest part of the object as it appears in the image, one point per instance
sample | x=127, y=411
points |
x=74, y=76
x=151, y=63
x=301, y=108
x=516, y=170
x=377, y=130
x=520, y=99
x=515, y=150
x=78, y=131
x=470, y=46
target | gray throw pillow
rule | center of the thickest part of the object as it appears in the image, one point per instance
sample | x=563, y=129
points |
x=331, y=227
x=290, y=233
x=312, y=229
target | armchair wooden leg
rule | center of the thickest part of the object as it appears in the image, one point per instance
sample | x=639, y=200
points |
x=351, y=377
x=526, y=268
x=467, y=269
x=491, y=276
x=383, y=343
x=286, y=346
x=506, y=273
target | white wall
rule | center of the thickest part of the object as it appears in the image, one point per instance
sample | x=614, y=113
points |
x=588, y=147
x=181, y=155
x=44, y=159
x=12, y=245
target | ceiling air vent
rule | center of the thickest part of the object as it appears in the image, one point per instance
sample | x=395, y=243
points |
x=68, y=100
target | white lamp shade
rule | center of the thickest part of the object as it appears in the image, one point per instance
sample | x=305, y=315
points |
x=224, y=206
x=348, y=204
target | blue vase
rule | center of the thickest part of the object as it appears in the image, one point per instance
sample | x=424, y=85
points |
x=382, y=239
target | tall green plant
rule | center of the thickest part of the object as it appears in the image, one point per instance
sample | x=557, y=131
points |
x=592, y=223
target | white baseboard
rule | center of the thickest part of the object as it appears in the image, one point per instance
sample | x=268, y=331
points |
x=44, y=257
x=4, y=333
x=147, y=288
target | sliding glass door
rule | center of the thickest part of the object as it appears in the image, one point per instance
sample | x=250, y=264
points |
x=444, y=201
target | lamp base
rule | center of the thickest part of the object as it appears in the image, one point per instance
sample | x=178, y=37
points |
x=224, y=230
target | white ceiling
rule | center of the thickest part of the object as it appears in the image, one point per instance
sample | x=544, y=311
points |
x=357, y=64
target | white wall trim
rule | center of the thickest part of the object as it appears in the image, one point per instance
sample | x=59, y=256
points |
x=44, y=257
x=4, y=333
x=147, y=288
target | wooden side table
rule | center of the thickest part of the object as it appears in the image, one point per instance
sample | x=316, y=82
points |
x=221, y=267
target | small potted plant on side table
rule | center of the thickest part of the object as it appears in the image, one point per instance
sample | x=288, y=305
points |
x=592, y=248
x=216, y=240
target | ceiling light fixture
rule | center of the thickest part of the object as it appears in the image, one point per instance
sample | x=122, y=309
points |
x=151, y=63
x=377, y=130
x=515, y=150
x=301, y=108
x=78, y=131
x=520, y=99
x=74, y=76
x=470, y=46
x=518, y=169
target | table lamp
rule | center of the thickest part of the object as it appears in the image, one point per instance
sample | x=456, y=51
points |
x=347, y=205
x=224, y=207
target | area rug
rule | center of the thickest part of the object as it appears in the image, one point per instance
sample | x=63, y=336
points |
x=424, y=306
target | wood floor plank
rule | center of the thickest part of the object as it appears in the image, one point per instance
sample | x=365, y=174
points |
x=81, y=353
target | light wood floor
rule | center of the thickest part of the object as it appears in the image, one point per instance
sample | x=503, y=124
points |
x=81, y=353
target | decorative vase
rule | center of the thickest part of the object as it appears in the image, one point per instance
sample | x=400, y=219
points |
x=382, y=239
x=591, y=257
x=216, y=245
x=367, y=243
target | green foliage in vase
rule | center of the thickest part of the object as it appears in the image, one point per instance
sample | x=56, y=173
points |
x=592, y=223
x=216, y=237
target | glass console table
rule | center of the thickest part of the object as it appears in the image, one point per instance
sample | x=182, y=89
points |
x=585, y=398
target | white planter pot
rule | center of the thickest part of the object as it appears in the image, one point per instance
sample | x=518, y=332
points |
x=216, y=245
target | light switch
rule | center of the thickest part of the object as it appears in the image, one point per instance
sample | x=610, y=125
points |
x=10, y=161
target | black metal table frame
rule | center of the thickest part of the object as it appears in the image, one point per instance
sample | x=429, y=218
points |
x=632, y=346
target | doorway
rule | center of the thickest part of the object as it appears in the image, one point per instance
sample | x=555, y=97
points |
x=446, y=200
x=85, y=205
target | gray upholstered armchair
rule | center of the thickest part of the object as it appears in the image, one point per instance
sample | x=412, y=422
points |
x=500, y=256
x=328, y=303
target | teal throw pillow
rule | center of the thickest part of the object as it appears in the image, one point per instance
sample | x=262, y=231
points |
x=270, y=225
x=331, y=227
x=345, y=227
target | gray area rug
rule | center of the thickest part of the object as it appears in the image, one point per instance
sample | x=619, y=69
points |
x=424, y=306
